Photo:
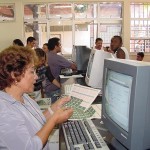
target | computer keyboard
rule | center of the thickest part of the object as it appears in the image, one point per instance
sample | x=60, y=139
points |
x=83, y=135
x=67, y=89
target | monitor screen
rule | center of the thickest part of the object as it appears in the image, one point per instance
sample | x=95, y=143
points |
x=117, y=94
x=80, y=55
x=126, y=103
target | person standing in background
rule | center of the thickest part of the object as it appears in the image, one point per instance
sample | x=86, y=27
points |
x=56, y=63
x=116, y=48
x=31, y=42
x=99, y=44
x=140, y=56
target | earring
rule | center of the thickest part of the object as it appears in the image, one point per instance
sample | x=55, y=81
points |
x=16, y=82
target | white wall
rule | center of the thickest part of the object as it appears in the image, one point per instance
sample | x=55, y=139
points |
x=14, y=29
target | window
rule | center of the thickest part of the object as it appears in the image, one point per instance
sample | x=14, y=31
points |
x=75, y=23
x=60, y=11
x=63, y=30
x=34, y=11
x=85, y=10
x=111, y=10
x=140, y=27
x=38, y=30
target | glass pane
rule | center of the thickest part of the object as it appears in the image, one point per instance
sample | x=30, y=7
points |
x=34, y=11
x=148, y=26
x=60, y=11
x=148, y=10
x=141, y=11
x=38, y=31
x=107, y=31
x=132, y=45
x=140, y=28
x=63, y=30
x=132, y=11
x=145, y=11
x=147, y=45
x=7, y=12
x=85, y=10
x=137, y=11
x=93, y=34
x=110, y=10
x=138, y=45
x=88, y=29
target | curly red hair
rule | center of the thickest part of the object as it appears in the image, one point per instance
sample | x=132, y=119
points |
x=14, y=59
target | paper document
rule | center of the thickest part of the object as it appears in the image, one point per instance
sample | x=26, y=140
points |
x=84, y=93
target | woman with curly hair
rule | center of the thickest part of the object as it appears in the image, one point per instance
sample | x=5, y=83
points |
x=22, y=124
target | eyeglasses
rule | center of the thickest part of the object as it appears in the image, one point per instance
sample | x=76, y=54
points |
x=59, y=44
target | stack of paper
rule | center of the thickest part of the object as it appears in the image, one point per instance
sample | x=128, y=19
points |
x=81, y=99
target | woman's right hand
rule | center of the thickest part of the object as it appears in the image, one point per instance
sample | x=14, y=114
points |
x=62, y=115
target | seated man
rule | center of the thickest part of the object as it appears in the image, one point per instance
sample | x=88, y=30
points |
x=56, y=63
x=117, y=49
x=31, y=42
x=140, y=56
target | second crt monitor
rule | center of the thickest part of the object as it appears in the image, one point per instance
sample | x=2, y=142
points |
x=94, y=74
x=80, y=55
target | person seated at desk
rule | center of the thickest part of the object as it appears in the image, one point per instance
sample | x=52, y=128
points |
x=56, y=63
x=22, y=124
x=116, y=48
x=44, y=73
x=31, y=42
x=18, y=42
x=140, y=56
x=45, y=47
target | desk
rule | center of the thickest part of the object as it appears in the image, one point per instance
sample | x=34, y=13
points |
x=103, y=131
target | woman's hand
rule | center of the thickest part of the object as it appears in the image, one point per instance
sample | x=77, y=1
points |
x=62, y=114
x=59, y=103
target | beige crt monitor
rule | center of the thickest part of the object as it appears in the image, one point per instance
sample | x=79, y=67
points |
x=94, y=74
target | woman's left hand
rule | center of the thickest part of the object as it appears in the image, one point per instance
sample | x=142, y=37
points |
x=59, y=103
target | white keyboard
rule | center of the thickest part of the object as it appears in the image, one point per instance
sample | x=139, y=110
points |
x=67, y=89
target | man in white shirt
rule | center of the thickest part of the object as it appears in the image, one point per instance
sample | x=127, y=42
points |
x=98, y=44
x=117, y=49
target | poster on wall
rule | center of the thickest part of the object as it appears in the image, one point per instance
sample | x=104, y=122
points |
x=7, y=12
